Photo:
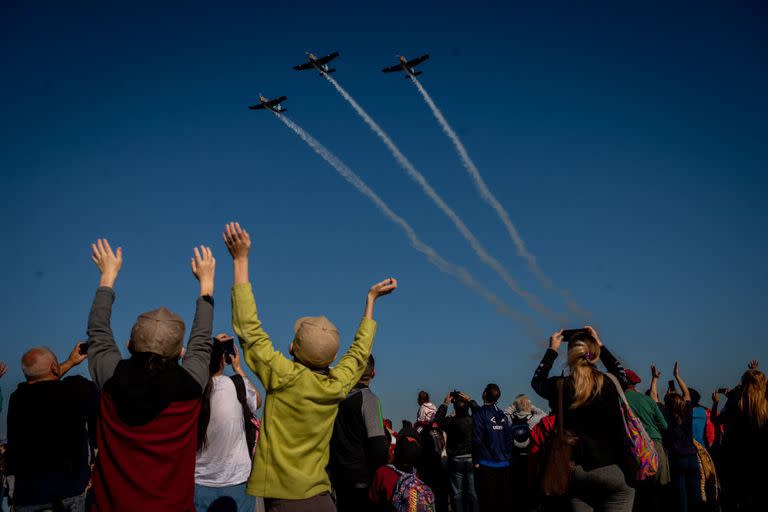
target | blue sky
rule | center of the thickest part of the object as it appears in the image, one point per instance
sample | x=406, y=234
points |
x=627, y=143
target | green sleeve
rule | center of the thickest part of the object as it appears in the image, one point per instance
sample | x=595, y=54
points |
x=352, y=365
x=269, y=365
x=659, y=416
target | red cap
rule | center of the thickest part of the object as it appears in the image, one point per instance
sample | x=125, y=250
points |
x=632, y=377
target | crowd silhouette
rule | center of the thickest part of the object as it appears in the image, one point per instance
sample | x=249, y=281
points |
x=167, y=430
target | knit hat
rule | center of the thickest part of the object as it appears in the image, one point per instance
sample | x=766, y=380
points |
x=316, y=341
x=632, y=377
x=159, y=331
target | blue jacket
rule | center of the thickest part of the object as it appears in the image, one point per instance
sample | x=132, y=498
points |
x=491, y=436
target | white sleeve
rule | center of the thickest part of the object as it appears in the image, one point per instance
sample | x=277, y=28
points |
x=251, y=396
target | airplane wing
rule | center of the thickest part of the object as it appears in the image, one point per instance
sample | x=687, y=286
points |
x=392, y=69
x=328, y=58
x=416, y=61
x=302, y=67
x=260, y=106
x=276, y=101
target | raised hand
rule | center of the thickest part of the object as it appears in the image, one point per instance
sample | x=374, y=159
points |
x=75, y=357
x=753, y=364
x=448, y=398
x=654, y=372
x=556, y=340
x=382, y=288
x=237, y=240
x=108, y=262
x=204, y=268
x=3, y=369
x=594, y=334
x=676, y=371
x=236, y=366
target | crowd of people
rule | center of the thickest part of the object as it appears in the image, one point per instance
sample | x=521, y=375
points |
x=167, y=430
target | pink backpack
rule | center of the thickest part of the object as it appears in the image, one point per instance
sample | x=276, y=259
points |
x=641, y=449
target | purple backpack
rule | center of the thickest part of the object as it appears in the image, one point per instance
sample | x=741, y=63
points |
x=642, y=451
x=411, y=494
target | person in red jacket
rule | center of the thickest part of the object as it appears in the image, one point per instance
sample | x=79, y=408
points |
x=147, y=427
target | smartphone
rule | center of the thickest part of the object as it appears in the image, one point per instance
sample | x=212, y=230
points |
x=569, y=334
x=229, y=349
x=82, y=347
x=671, y=386
x=722, y=391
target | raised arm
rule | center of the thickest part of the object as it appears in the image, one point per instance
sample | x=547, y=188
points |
x=102, y=349
x=269, y=365
x=681, y=383
x=655, y=374
x=541, y=383
x=612, y=365
x=74, y=359
x=252, y=395
x=197, y=358
x=352, y=365
x=3, y=369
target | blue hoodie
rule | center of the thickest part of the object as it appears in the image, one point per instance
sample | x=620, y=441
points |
x=491, y=437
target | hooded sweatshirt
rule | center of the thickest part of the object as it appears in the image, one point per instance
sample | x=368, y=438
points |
x=300, y=407
x=147, y=427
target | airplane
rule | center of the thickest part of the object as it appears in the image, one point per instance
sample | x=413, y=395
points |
x=407, y=66
x=273, y=105
x=320, y=64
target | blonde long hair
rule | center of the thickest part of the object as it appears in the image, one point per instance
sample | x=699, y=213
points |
x=583, y=355
x=753, y=402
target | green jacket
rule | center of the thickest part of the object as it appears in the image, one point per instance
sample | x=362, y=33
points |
x=648, y=412
x=300, y=406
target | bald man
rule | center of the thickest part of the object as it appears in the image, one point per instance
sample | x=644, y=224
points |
x=51, y=425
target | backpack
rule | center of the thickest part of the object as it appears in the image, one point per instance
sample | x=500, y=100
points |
x=248, y=417
x=642, y=453
x=411, y=494
x=521, y=435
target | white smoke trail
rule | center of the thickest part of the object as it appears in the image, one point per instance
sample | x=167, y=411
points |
x=489, y=198
x=451, y=269
x=447, y=210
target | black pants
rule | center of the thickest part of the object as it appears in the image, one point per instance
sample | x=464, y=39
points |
x=493, y=487
x=352, y=499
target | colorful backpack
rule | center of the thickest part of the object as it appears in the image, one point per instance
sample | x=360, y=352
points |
x=411, y=494
x=642, y=452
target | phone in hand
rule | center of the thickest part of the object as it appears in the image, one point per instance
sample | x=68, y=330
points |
x=722, y=391
x=569, y=334
x=671, y=386
x=229, y=349
x=82, y=348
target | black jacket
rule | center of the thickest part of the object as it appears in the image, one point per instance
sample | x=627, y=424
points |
x=599, y=423
x=458, y=430
x=359, y=443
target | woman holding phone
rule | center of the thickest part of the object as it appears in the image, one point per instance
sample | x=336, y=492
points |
x=684, y=463
x=224, y=456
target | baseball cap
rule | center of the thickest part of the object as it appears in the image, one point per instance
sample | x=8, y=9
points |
x=632, y=377
x=159, y=331
x=316, y=341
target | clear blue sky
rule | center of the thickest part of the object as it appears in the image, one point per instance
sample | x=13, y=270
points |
x=627, y=143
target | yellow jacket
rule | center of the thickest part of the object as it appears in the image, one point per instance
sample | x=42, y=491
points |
x=300, y=408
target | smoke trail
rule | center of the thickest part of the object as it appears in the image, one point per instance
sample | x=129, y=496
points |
x=489, y=198
x=427, y=188
x=456, y=271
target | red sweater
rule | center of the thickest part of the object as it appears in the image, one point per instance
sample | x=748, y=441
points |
x=137, y=465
